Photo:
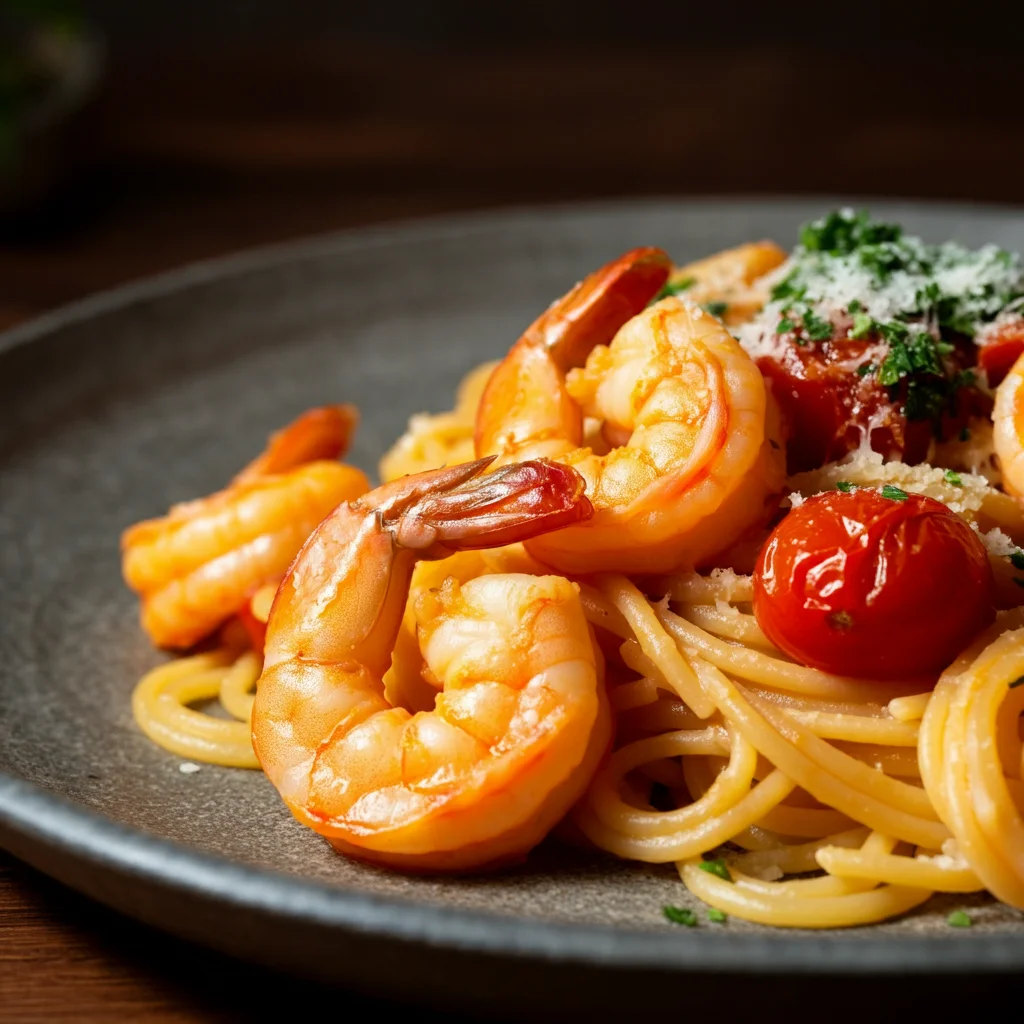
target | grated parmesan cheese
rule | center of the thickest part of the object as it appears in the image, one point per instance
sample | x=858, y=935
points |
x=975, y=285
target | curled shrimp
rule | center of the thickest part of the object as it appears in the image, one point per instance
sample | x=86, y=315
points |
x=689, y=458
x=730, y=279
x=1008, y=432
x=199, y=565
x=520, y=722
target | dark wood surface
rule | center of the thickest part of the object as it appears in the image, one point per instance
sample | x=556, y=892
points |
x=193, y=152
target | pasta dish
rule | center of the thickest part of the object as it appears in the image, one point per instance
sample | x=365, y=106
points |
x=720, y=567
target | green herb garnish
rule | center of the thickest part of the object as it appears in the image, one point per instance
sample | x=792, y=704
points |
x=863, y=325
x=894, y=493
x=965, y=434
x=718, y=916
x=675, y=287
x=1017, y=559
x=952, y=477
x=959, y=919
x=816, y=328
x=839, y=233
x=717, y=308
x=680, y=915
x=844, y=485
x=785, y=326
x=716, y=867
x=865, y=368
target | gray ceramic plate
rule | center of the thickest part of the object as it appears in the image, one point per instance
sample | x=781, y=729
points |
x=123, y=404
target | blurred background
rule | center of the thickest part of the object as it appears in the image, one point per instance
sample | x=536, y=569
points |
x=137, y=135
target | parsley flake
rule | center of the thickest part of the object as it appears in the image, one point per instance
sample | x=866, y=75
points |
x=865, y=368
x=1017, y=559
x=952, y=477
x=816, y=328
x=675, y=287
x=717, y=308
x=965, y=435
x=716, y=867
x=894, y=493
x=785, y=326
x=863, y=325
x=1019, y=681
x=844, y=485
x=718, y=916
x=787, y=289
x=841, y=232
x=680, y=915
x=959, y=919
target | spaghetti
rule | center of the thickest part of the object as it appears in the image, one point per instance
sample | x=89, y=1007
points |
x=783, y=792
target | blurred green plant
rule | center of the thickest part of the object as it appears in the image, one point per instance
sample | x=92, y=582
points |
x=34, y=39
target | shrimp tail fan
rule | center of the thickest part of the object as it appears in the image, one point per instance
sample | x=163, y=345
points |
x=466, y=506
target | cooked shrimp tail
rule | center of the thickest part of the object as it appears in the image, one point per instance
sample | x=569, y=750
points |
x=322, y=433
x=562, y=337
x=520, y=723
x=592, y=312
x=458, y=508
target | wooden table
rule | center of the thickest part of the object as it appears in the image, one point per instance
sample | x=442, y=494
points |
x=193, y=154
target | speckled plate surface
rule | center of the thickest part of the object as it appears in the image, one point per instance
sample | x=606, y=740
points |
x=119, y=406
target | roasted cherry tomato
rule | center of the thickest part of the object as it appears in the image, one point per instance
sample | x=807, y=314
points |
x=1000, y=350
x=830, y=406
x=880, y=587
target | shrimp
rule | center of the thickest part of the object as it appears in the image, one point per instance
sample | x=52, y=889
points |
x=520, y=721
x=730, y=278
x=199, y=565
x=1008, y=433
x=692, y=458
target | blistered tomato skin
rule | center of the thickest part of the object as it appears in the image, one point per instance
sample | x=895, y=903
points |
x=862, y=585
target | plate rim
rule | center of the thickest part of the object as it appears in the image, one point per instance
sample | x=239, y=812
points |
x=47, y=821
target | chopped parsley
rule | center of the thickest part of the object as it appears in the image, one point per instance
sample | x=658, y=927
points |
x=717, y=308
x=959, y=919
x=952, y=477
x=1017, y=559
x=680, y=915
x=842, y=232
x=815, y=328
x=675, y=287
x=914, y=301
x=894, y=493
x=716, y=915
x=1019, y=681
x=965, y=434
x=863, y=325
x=716, y=867
x=844, y=485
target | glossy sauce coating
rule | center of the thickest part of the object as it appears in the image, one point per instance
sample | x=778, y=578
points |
x=864, y=585
x=830, y=398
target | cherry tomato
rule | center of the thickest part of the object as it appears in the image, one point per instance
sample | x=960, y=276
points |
x=830, y=396
x=1000, y=351
x=865, y=585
